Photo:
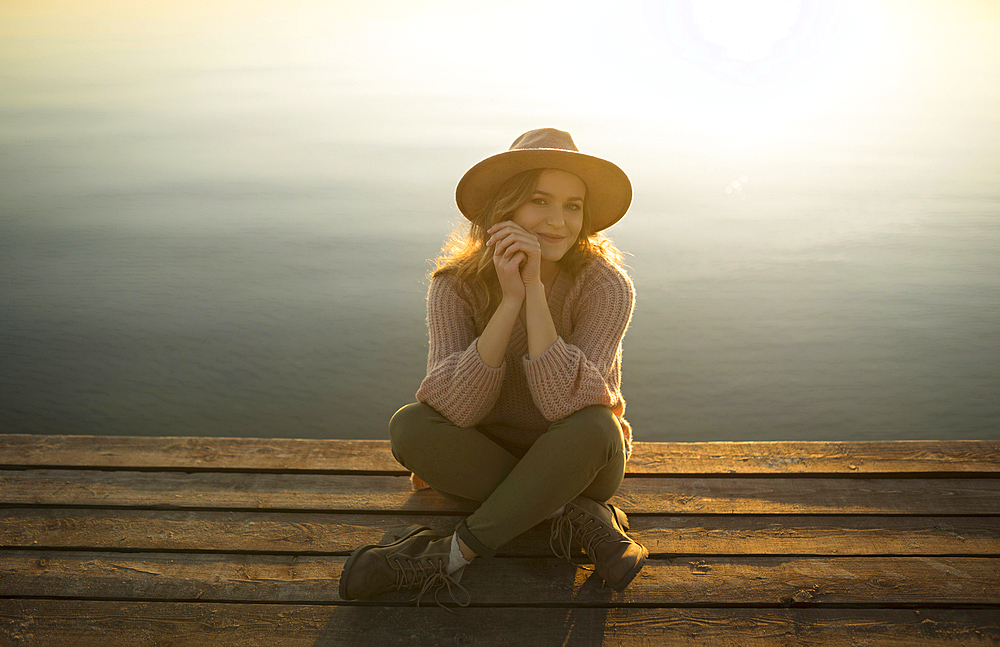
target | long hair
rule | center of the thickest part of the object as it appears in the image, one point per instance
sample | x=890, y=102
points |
x=466, y=256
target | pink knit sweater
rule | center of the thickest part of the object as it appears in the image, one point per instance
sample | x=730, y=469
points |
x=518, y=400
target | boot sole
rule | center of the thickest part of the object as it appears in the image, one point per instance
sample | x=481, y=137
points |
x=622, y=520
x=620, y=585
x=406, y=533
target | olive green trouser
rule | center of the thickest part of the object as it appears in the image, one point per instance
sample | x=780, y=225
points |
x=513, y=487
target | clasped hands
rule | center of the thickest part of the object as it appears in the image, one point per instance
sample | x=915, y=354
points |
x=517, y=257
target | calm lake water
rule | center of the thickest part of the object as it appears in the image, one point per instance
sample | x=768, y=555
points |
x=269, y=310
x=179, y=256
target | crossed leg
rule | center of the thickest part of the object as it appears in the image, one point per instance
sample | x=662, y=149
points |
x=583, y=453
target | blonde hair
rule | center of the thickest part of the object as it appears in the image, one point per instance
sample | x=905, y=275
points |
x=466, y=256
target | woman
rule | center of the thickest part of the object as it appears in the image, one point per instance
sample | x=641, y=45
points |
x=520, y=415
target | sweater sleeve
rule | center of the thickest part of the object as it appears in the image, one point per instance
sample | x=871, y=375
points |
x=459, y=384
x=585, y=368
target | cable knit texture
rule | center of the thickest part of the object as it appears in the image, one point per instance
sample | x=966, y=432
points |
x=518, y=400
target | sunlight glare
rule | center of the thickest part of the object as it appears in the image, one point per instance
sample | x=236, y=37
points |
x=746, y=31
x=738, y=77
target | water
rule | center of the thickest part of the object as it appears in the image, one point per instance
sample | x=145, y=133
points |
x=187, y=250
x=764, y=321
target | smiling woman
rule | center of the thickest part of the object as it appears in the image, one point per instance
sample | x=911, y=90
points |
x=520, y=414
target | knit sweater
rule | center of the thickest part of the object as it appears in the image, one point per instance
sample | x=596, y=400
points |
x=518, y=400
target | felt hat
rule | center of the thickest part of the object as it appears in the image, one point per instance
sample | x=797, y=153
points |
x=609, y=191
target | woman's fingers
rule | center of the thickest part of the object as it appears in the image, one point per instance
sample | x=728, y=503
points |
x=510, y=264
x=514, y=261
x=505, y=225
x=507, y=242
x=516, y=252
x=510, y=247
x=503, y=230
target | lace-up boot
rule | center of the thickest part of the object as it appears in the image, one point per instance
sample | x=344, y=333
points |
x=600, y=530
x=417, y=560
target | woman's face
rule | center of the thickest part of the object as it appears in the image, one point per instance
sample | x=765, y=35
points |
x=554, y=213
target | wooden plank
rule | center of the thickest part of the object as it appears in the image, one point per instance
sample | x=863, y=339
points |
x=203, y=530
x=329, y=492
x=779, y=457
x=277, y=532
x=183, y=452
x=818, y=457
x=817, y=535
x=43, y=623
x=746, y=581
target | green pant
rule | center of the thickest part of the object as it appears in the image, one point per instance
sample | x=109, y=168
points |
x=515, y=488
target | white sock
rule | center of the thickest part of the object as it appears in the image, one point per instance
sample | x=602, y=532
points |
x=557, y=512
x=456, y=560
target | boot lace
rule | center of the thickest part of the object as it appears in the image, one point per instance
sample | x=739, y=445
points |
x=588, y=531
x=591, y=532
x=561, y=537
x=429, y=575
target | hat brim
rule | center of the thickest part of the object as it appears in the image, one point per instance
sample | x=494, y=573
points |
x=609, y=191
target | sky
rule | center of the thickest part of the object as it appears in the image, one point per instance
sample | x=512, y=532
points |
x=688, y=77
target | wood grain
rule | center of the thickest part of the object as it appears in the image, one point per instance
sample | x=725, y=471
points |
x=194, y=541
x=765, y=458
x=675, y=495
x=56, y=623
x=748, y=581
x=318, y=532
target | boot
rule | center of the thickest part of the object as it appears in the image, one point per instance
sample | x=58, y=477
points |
x=600, y=529
x=418, y=559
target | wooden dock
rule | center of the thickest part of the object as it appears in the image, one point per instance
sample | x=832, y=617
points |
x=109, y=541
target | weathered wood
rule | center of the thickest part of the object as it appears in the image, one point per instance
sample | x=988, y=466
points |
x=932, y=458
x=784, y=535
x=196, y=453
x=676, y=495
x=747, y=581
x=277, y=454
x=48, y=623
x=289, y=532
x=817, y=535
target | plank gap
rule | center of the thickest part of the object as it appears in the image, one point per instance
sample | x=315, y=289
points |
x=454, y=513
x=580, y=561
x=534, y=605
x=868, y=476
x=183, y=508
x=212, y=470
x=943, y=473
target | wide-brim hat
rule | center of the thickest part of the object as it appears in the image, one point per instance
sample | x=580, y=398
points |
x=609, y=191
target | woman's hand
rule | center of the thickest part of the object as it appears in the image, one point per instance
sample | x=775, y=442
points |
x=517, y=257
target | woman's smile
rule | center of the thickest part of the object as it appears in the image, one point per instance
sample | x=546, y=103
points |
x=554, y=214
